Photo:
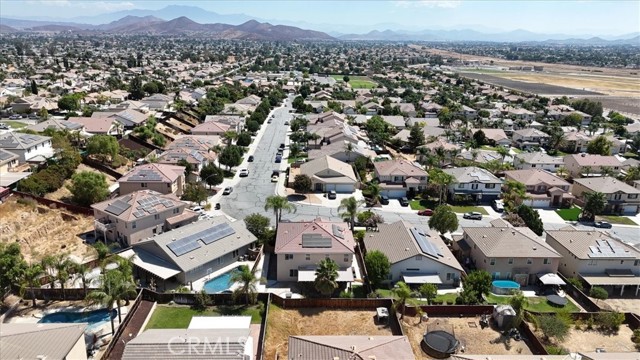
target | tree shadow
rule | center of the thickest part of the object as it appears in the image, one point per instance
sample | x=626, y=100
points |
x=296, y=197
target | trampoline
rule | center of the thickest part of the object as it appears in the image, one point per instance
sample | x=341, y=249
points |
x=556, y=300
x=439, y=344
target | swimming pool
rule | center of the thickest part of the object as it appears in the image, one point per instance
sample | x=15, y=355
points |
x=219, y=283
x=504, y=287
x=94, y=318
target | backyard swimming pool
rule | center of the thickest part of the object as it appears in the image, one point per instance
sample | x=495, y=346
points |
x=219, y=283
x=504, y=287
x=94, y=318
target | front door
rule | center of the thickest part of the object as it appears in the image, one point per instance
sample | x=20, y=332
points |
x=319, y=187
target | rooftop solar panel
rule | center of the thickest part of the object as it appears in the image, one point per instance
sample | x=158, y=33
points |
x=183, y=246
x=337, y=231
x=315, y=241
x=217, y=232
x=117, y=207
x=425, y=244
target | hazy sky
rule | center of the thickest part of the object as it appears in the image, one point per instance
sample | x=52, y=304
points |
x=569, y=17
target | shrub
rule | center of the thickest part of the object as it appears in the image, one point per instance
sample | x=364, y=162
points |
x=610, y=321
x=598, y=293
x=553, y=327
x=346, y=294
x=576, y=283
x=201, y=301
x=556, y=350
x=636, y=336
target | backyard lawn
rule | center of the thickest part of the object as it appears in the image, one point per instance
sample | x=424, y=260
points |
x=179, y=317
x=569, y=214
x=444, y=298
x=618, y=219
x=537, y=303
x=14, y=124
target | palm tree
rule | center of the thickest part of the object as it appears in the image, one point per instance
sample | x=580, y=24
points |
x=632, y=175
x=440, y=155
x=594, y=204
x=82, y=270
x=31, y=279
x=350, y=206
x=453, y=154
x=294, y=150
x=348, y=148
x=374, y=190
x=229, y=136
x=606, y=171
x=326, y=276
x=515, y=193
x=402, y=292
x=247, y=280
x=443, y=180
x=106, y=294
x=503, y=151
x=47, y=264
x=562, y=171
x=278, y=204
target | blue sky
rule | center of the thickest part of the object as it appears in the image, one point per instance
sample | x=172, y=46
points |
x=569, y=17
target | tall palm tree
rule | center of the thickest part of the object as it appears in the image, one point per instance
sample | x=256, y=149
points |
x=632, y=175
x=515, y=192
x=503, y=151
x=374, y=190
x=247, y=280
x=106, y=294
x=47, y=264
x=562, y=171
x=443, y=180
x=229, y=136
x=606, y=171
x=350, y=206
x=348, y=148
x=62, y=267
x=83, y=270
x=594, y=204
x=278, y=204
x=403, y=293
x=31, y=279
x=440, y=155
x=326, y=276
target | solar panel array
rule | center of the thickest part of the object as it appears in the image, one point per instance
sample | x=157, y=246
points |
x=482, y=176
x=5, y=155
x=183, y=246
x=146, y=175
x=337, y=231
x=118, y=207
x=218, y=232
x=315, y=241
x=425, y=244
x=608, y=249
x=208, y=236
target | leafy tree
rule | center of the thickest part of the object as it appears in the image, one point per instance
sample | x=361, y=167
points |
x=428, y=291
x=12, y=264
x=403, y=293
x=576, y=283
x=600, y=146
x=258, y=225
x=609, y=321
x=34, y=87
x=518, y=302
x=247, y=280
x=573, y=119
x=88, y=187
x=553, y=326
x=201, y=300
x=599, y=293
x=346, y=78
x=594, y=204
x=229, y=136
x=31, y=279
x=244, y=139
x=531, y=218
x=478, y=281
x=350, y=206
x=211, y=175
x=326, y=276
x=278, y=204
x=443, y=219
x=136, y=92
x=442, y=180
x=479, y=138
x=468, y=297
x=377, y=130
x=105, y=146
x=231, y=156
x=515, y=192
x=69, y=102
x=302, y=183
x=195, y=193
x=253, y=126
x=378, y=267
x=416, y=136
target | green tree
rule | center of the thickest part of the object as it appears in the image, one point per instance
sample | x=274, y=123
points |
x=479, y=138
x=231, y=156
x=518, y=302
x=253, y=126
x=442, y=180
x=553, y=326
x=403, y=293
x=31, y=279
x=136, y=92
x=229, y=136
x=346, y=78
x=598, y=292
x=373, y=191
x=377, y=130
x=83, y=270
x=443, y=219
x=88, y=187
x=326, y=276
x=195, y=193
x=478, y=281
x=244, y=139
x=105, y=146
x=258, y=225
x=531, y=218
x=61, y=266
x=247, y=280
x=428, y=291
x=211, y=175
x=594, y=204
x=201, y=300
x=600, y=146
x=610, y=321
x=514, y=193
x=378, y=267
x=34, y=87
x=416, y=136
x=12, y=264
x=69, y=102
x=573, y=119
x=350, y=206
x=112, y=290
x=278, y=204
x=503, y=152
x=302, y=184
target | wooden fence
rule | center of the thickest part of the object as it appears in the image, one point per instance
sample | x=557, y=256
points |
x=580, y=297
x=450, y=310
x=55, y=204
x=123, y=325
x=101, y=167
x=263, y=330
x=535, y=345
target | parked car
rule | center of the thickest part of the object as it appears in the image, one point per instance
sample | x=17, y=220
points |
x=33, y=116
x=404, y=201
x=425, y=212
x=14, y=117
x=498, y=205
x=286, y=123
x=331, y=194
x=4, y=127
x=472, y=215
x=278, y=158
x=384, y=200
x=217, y=207
x=282, y=146
x=602, y=225
x=250, y=158
x=275, y=178
x=244, y=172
x=198, y=209
x=228, y=190
x=269, y=121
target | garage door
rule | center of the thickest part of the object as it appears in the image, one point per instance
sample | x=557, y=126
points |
x=344, y=188
x=630, y=209
x=329, y=187
x=394, y=194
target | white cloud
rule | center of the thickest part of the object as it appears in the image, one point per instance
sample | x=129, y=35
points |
x=446, y=4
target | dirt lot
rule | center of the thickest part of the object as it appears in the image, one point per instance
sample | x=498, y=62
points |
x=41, y=230
x=281, y=323
x=63, y=194
x=622, y=305
x=472, y=337
x=589, y=340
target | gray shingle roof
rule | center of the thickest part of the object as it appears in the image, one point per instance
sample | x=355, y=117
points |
x=368, y=347
x=471, y=174
x=28, y=341
x=607, y=185
x=14, y=140
x=578, y=241
x=513, y=242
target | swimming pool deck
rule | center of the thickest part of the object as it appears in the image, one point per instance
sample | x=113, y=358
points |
x=198, y=285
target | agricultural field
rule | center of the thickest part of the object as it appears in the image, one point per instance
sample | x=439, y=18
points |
x=358, y=82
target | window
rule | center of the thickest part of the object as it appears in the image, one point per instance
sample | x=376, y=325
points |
x=533, y=165
x=176, y=210
x=413, y=269
x=556, y=166
x=133, y=225
x=617, y=196
x=492, y=261
x=529, y=262
x=460, y=186
x=288, y=256
x=636, y=263
x=474, y=186
x=475, y=246
x=593, y=262
x=507, y=275
x=156, y=216
x=347, y=257
x=546, y=261
x=510, y=261
x=449, y=276
x=235, y=253
x=621, y=262
x=307, y=257
x=490, y=186
x=144, y=185
x=293, y=273
x=632, y=196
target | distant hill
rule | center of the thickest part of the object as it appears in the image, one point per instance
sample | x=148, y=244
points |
x=53, y=28
x=130, y=22
x=4, y=29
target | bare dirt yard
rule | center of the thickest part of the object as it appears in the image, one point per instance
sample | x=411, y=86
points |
x=468, y=331
x=63, y=194
x=316, y=321
x=588, y=340
x=622, y=305
x=41, y=230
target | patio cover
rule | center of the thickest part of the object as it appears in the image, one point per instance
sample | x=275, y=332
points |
x=151, y=263
x=600, y=280
x=310, y=275
x=551, y=279
x=421, y=279
x=10, y=178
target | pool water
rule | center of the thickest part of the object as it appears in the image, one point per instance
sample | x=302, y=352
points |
x=219, y=283
x=504, y=287
x=94, y=318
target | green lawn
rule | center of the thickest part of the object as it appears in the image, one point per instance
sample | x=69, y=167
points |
x=618, y=219
x=358, y=82
x=291, y=160
x=465, y=209
x=14, y=124
x=421, y=204
x=537, y=303
x=569, y=214
x=179, y=317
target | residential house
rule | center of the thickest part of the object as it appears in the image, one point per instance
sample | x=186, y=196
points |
x=196, y=150
x=162, y=178
x=397, y=122
x=399, y=177
x=327, y=174
x=129, y=118
x=210, y=128
x=10, y=171
x=417, y=256
x=537, y=160
x=33, y=103
x=55, y=124
x=468, y=112
x=99, y=125
x=43, y=341
x=131, y=218
x=618, y=146
x=252, y=100
x=407, y=109
x=478, y=184
x=193, y=251
x=589, y=165
x=529, y=138
x=494, y=136
x=597, y=258
x=343, y=150
x=428, y=131
x=520, y=114
x=300, y=246
x=28, y=147
x=157, y=102
x=621, y=197
x=431, y=109
x=372, y=108
x=235, y=122
x=440, y=143
x=483, y=156
x=576, y=141
x=505, y=252
x=544, y=189
x=432, y=122
x=344, y=347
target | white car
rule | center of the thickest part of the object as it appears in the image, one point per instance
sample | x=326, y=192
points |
x=244, y=172
x=198, y=209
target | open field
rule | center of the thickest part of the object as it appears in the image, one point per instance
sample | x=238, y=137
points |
x=63, y=194
x=467, y=330
x=589, y=340
x=358, y=82
x=41, y=231
x=316, y=321
x=532, y=83
x=179, y=317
